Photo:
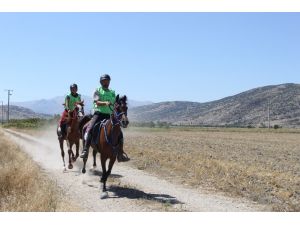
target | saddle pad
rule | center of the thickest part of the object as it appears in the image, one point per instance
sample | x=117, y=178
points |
x=96, y=132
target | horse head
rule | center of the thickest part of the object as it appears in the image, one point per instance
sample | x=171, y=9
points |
x=78, y=112
x=120, y=111
x=80, y=109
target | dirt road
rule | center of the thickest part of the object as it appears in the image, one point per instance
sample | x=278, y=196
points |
x=130, y=189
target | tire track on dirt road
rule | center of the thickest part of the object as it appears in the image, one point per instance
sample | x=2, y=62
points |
x=132, y=190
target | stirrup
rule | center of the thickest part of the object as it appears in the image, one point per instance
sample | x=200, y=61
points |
x=84, y=154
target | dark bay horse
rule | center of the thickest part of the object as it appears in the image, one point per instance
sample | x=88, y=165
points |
x=72, y=136
x=108, y=142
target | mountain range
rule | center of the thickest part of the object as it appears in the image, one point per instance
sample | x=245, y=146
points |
x=280, y=103
x=17, y=112
x=55, y=105
x=250, y=108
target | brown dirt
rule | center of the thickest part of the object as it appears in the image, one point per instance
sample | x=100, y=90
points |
x=130, y=189
x=261, y=166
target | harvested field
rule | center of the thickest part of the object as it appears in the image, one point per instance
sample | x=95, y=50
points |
x=130, y=189
x=259, y=165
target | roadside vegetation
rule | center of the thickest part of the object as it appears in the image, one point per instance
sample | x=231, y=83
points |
x=32, y=123
x=23, y=185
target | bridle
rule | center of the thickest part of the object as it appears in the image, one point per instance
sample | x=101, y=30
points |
x=115, y=120
x=77, y=112
x=117, y=114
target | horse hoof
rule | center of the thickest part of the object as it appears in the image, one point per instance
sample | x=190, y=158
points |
x=104, y=195
x=64, y=169
x=70, y=166
x=93, y=168
x=84, y=171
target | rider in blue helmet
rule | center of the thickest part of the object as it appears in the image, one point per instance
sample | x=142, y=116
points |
x=70, y=102
x=103, y=98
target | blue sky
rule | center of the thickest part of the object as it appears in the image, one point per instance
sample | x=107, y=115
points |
x=150, y=56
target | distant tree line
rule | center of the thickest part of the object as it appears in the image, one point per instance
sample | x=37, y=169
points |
x=151, y=124
x=160, y=124
x=31, y=122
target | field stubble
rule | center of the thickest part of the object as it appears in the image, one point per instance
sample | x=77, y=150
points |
x=260, y=166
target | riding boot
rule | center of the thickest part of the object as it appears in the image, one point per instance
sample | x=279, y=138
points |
x=122, y=156
x=88, y=140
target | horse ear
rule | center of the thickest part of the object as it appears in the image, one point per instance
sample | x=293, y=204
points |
x=117, y=98
x=125, y=98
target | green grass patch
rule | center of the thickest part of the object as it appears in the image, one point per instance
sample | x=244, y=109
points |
x=32, y=123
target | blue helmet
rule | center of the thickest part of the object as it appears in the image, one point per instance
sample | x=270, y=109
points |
x=73, y=86
x=105, y=77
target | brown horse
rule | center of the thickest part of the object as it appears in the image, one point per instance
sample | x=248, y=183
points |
x=72, y=136
x=108, y=142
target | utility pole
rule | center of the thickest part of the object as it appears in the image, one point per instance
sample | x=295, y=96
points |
x=2, y=113
x=8, y=97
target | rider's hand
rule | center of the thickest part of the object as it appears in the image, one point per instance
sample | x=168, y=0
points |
x=107, y=103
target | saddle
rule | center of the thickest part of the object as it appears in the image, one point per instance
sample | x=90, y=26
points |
x=96, y=131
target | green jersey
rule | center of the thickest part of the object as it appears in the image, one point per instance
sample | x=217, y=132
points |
x=104, y=96
x=71, y=100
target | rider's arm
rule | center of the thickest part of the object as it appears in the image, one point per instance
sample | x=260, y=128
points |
x=67, y=102
x=80, y=99
x=98, y=101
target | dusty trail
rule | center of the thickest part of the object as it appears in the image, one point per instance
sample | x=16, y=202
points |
x=130, y=190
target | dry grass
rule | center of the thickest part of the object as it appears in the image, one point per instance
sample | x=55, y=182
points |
x=261, y=166
x=23, y=187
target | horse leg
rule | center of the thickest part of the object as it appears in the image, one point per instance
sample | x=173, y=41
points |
x=70, y=166
x=104, y=194
x=77, y=151
x=61, y=143
x=110, y=166
x=73, y=159
x=94, y=157
x=106, y=175
x=84, y=165
x=103, y=178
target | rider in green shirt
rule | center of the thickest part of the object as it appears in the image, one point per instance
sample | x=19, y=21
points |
x=103, y=98
x=70, y=104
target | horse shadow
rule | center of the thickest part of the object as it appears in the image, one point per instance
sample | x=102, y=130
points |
x=132, y=193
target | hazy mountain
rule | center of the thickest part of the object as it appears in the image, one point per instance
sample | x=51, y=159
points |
x=134, y=103
x=17, y=112
x=247, y=108
x=54, y=105
x=50, y=106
